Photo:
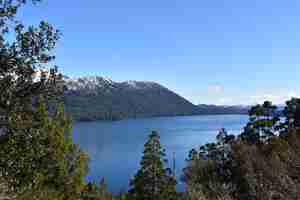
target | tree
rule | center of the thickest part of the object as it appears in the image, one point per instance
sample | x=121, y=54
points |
x=291, y=113
x=153, y=181
x=24, y=57
x=263, y=123
x=208, y=170
x=92, y=191
x=267, y=170
x=37, y=157
x=244, y=168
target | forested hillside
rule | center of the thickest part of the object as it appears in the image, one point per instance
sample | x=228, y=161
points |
x=94, y=98
x=97, y=98
x=216, y=110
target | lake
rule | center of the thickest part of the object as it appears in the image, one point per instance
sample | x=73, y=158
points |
x=115, y=148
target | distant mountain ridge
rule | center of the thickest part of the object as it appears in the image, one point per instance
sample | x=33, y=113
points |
x=98, y=98
x=221, y=109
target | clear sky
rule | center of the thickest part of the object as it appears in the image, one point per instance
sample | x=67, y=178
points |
x=209, y=51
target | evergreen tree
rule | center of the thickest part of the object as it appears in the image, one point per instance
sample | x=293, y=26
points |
x=92, y=191
x=153, y=181
x=208, y=171
x=263, y=123
x=37, y=157
x=291, y=113
x=249, y=169
x=23, y=61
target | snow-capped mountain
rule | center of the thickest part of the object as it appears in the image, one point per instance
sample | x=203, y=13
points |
x=88, y=83
x=95, y=97
x=94, y=83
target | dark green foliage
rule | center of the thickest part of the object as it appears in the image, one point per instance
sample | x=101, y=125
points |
x=218, y=109
x=263, y=123
x=104, y=100
x=153, y=181
x=37, y=157
x=93, y=191
x=208, y=171
x=121, y=100
x=266, y=166
x=8, y=10
x=21, y=77
x=291, y=113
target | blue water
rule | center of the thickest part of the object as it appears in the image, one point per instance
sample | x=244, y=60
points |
x=115, y=148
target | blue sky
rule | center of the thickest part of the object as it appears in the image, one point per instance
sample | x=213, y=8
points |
x=216, y=51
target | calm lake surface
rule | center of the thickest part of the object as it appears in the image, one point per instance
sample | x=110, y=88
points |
x=115, y=148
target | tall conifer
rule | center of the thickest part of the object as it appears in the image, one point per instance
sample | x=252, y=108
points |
x=153, y=180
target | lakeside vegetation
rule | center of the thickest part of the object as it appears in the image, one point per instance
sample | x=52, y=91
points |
x=38, y=159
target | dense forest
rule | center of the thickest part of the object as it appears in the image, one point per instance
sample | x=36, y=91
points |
x=97, y=98
x=38, y=159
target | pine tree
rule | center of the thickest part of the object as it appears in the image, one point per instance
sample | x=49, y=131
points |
x=37, y=157
x=153, y=181
x=25, y=53
x=291, y=113
x=263, y=123
x=208, y=172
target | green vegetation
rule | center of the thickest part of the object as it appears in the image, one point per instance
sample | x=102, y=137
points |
x=114, y=101
x=153, y=180
x=95, y=98
x=38, y=159
x=261, y=163
x=92, y=191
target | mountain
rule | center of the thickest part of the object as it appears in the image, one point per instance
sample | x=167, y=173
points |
x=214, y=109
x=98, y=98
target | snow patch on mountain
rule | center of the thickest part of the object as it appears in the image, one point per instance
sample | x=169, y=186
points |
x=88, y=83
x=98, y=82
